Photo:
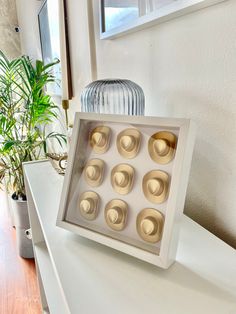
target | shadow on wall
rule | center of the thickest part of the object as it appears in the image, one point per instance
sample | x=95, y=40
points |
x=202, y=203
x=211, y=193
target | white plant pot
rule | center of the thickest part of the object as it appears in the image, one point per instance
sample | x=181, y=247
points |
x=21, y=219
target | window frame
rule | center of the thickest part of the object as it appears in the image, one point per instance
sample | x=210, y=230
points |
x=165, y=13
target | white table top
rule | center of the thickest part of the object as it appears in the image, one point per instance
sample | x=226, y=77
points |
x=98, y=279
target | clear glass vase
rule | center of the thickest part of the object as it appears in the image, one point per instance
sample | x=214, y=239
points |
x=113, y=96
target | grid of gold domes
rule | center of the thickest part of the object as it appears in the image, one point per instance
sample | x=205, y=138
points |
x=161, y=148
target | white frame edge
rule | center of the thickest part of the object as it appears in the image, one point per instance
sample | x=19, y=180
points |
x=156, y=17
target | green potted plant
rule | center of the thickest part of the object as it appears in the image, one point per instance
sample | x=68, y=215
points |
x=26, y=112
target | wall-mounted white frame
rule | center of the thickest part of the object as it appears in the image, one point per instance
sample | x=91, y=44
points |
x=174, y=208
x=165, y=13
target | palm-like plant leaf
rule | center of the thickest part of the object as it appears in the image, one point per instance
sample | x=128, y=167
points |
x=25, y=110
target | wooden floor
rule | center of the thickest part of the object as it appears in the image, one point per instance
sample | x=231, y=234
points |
x=19, y=293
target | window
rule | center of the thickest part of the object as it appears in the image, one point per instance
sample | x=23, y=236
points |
x=122, y=16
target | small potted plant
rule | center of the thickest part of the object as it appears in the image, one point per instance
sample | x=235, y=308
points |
x=26, y=112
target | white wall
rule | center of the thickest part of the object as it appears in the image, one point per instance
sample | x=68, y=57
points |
x=27, y=12
x=9, y=38
x=187, y=68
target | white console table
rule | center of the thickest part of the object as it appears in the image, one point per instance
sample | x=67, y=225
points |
x=79, y=276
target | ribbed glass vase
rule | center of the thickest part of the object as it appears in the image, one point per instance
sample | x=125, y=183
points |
x=114, y=96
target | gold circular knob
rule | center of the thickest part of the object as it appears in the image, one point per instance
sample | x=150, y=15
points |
x=161, y=147
x=150, y=224
x=99, y=139
x=122, y=177
x=93, y=172
x=88, y=205
x=116, y=214
x=127, y=142
x=155, y=186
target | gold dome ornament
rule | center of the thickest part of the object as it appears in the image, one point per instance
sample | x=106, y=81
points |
x=149, y=225
x=128, y=143
x=116, y=214
x=93, y=172
x=162, y=147
x=156, y=186
x=100, y=139
x=88, y=205
x=122, y=177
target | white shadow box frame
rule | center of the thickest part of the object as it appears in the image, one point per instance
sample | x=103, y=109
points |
x=163, y=253
x=148, y=18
